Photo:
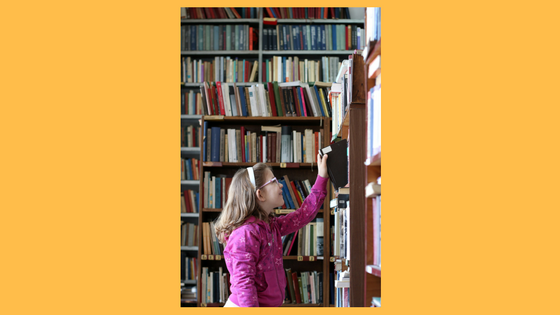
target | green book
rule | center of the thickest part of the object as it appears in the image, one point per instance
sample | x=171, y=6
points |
x=228, y=37
x=277, y=99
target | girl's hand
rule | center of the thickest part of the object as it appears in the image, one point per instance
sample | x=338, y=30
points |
x=322, y=163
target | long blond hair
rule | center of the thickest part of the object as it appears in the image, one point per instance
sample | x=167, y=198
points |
x=241, y=202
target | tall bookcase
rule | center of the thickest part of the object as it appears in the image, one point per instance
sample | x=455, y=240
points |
x=295, y=171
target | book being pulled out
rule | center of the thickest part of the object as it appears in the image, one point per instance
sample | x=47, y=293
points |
x=337, y=162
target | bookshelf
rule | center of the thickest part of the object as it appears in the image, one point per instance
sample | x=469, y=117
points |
x=372, y=164
x=293, y=170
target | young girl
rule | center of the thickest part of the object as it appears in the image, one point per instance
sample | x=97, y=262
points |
x=252, y=235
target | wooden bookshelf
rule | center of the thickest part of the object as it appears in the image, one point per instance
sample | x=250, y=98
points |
x=293, y=170
x=372, y=284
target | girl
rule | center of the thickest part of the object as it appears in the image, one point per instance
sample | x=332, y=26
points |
x=252, y=235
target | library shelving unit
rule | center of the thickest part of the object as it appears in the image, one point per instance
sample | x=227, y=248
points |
x=352, y=129
x=372, y=72
x=189, y=251
x=295, y=171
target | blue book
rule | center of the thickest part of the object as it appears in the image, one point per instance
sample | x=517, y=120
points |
x=243, y=101
x=286, y=37
x=188, y=167
x=285, y=199
x=286, y=192
x=319, y=37
x=334, y=46
x=193, y=37
x=324, y=37
x=319, y=101
x=272, y=11
x=215, y=149
x=304, y=34
x=218, y=193
x=204, y=141
x=283, y=69
x=197, y=202
x=298, y=92
x=313, y=37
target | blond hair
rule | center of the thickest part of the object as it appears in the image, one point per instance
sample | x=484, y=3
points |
x=241, y=202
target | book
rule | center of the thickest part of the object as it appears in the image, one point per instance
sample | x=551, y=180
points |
x=337, y=162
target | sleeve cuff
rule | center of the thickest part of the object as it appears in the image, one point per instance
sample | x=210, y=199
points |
x=321, y=182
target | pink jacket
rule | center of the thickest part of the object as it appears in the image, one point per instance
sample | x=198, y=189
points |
x=253, y=253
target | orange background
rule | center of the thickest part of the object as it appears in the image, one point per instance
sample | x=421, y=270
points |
x=89, y=170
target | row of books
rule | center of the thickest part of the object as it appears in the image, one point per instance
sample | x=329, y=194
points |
x=216, y=189
x=211, y=244
x=373, y=23
x=278, y=68
x=220, y=13
x=189, y=169
x=290, y=69
x=190, y=136
x=313, y=37
x=190, y=268
x=283, y=145
x=307, y=288
x=188, y=294
x=294, y=192
x=373, y=139
x=308, y=13
x=342, y=289
x=189, y=201
x=291, y=99
x=223, y=69
x=189, y=234
x=339, y=95
x=341, y=232
x=309, y=240
x=215, y=286
x=219, y=37
x=190, y=103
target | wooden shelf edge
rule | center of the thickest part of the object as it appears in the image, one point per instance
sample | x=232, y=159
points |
x=373, y=160
x=374, y=270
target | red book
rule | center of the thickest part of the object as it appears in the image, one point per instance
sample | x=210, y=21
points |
x=264, y=71
x=250, y=41
x=235, y=13
x=326, y=13
x=332, y=13
x=220, y=98
x=303, y=101
x=187, y=198
x=247, y=13
x=290, y=249
x=272, y=99
x=296, y=283
x=243, y=159
x=277, y=11
x=269, y=13
x=296, y=193
x=247, y=71
x=228, y=183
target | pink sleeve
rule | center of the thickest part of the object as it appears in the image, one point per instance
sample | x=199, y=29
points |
x=308, y=210
x=243, y=251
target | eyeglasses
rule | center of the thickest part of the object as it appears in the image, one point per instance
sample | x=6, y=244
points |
x=270, y=181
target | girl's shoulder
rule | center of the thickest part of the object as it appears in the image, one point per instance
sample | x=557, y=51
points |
x=252, y=225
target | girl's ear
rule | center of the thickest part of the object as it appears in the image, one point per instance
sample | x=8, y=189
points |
x=260, y=196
